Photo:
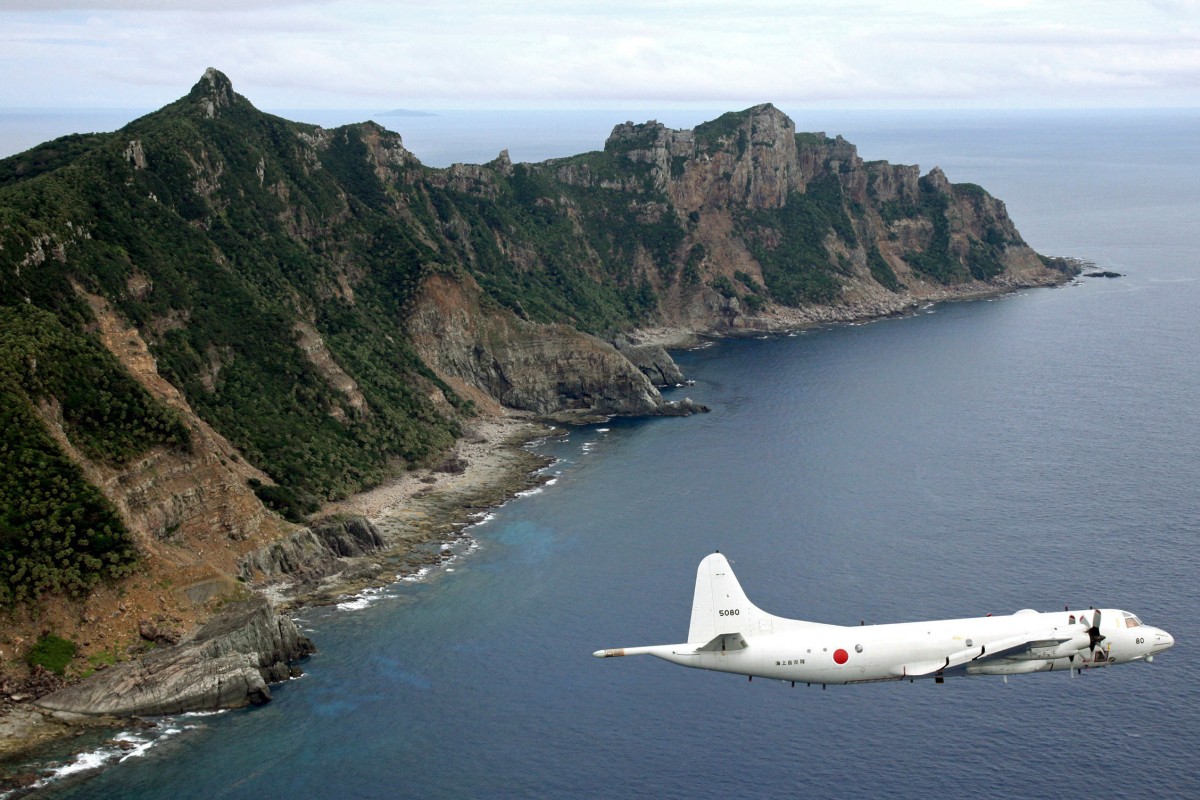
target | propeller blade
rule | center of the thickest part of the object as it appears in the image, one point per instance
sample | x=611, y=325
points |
x=1094, y=635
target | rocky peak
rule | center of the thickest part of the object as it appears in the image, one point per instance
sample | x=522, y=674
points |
x=385, y=149
x=649, y=142
x=936, y=181
x=762, y=125
x=769, y=126
x=502, y=163
x=746, y=155
x=743, y=156
x=213, y=92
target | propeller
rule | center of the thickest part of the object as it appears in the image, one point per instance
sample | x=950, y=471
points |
x=1095, y=637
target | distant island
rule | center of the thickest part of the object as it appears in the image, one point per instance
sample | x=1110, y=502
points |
x=229, y=340
x=405, y=112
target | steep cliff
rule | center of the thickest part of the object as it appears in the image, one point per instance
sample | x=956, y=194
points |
x=214, y=319
x=778, y=228
x=546, y=368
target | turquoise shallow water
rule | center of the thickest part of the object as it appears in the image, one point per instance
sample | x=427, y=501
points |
x=1035, y=450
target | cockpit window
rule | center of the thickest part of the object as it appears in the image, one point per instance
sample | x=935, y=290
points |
x=1131, y=621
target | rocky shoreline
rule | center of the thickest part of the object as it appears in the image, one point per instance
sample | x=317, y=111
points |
x=378, y=537
x=369, y=540
x=779, y=320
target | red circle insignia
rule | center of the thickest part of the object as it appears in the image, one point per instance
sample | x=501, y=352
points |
x=840, y=656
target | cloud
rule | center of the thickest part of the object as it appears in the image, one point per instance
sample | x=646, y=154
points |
x=505, y=53
x=164, y=6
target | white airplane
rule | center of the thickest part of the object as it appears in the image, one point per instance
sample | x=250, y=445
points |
x=728, y=633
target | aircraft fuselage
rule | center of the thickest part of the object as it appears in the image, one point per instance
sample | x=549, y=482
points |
x=730, y=634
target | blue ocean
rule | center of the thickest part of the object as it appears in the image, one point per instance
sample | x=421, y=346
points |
x=1035, y=450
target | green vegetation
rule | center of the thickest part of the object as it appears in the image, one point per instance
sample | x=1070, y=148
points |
x=747, y=280
x=104, y=658
x=984, y=259
x=57, y=532
x=225, y=268
x=580, y=244
x=691, y=266
x=559, y=278
x=105, y=412
x=271, y=268
x=807, y=140
x=881, y=271
x=754, y=303
x=729, y=126
x=293, y=505
x=723, y=286
x=51, y=652
x=936, y=260
x=799, y=268
x=46, y=157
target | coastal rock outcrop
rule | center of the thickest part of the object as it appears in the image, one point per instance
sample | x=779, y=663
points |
x=652, y=359
x=227, y=664
x=547, y=369
x=682, y=408
x=310, y=554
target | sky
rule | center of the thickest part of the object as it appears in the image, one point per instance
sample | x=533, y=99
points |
x=569, y=54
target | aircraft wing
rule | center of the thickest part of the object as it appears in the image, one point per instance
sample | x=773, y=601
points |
x=985, y=652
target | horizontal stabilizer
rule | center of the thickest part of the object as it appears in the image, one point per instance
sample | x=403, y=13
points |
x=724, y=643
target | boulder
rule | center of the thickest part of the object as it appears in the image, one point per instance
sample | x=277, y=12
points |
x=682, y=408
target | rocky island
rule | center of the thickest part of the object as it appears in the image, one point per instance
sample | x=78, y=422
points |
x=244, y=358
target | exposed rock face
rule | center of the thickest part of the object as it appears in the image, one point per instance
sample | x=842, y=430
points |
x=753, y=162
x=313, y=346
x=895, y=238
x=226, y=665
x=654, y=361
x=213, y=92
x=546, y=369
x=313, y=553
x=169, y=495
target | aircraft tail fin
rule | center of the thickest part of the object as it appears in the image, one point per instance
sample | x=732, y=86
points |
x=719, y=605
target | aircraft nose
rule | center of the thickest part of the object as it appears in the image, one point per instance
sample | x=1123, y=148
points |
x=1162, y=641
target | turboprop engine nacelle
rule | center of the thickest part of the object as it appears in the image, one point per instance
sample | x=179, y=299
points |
x=1071, y=647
